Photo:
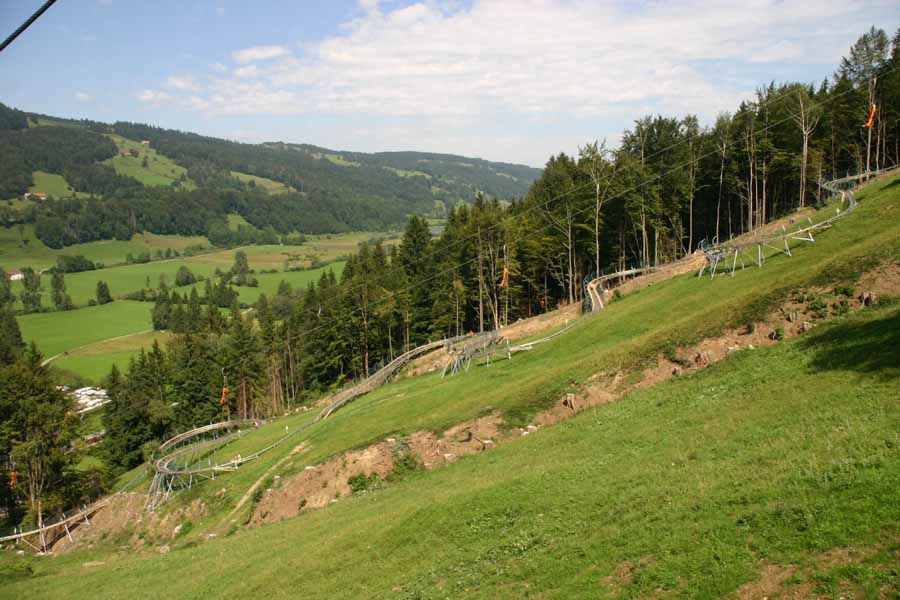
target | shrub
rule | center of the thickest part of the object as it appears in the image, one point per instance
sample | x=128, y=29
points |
x=184, y=276
x=361, y=483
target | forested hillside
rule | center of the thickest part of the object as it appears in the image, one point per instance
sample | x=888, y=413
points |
x=286, y=187
x=671, y=184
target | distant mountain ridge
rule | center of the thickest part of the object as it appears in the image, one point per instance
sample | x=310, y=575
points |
x=139, y=177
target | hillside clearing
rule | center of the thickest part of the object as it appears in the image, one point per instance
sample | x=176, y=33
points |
x=146, y=164
x=269, y=185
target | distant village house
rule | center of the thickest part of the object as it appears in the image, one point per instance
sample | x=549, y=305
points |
x=14, y=275
x=35, y=195
x=145, y=142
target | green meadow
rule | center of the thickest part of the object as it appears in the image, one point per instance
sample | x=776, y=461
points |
x=270, y=185
x=20, y=248
x=53, y=185
x=60, y=332
x=779, y=457
x=269, y=282
x=94, y=361
x=159, y=169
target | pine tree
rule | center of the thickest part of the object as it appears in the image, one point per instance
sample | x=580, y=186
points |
x=31, y=292
x=103, y=295
x=40, y=442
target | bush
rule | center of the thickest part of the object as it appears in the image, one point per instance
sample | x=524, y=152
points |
x=404, y=464
x=360, y=483
x=74, y=264
x=184, y=277
x=103, y=294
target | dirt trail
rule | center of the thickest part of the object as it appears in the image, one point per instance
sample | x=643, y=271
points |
x=302, y=447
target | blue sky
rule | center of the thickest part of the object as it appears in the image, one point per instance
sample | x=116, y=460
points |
x=501, y=79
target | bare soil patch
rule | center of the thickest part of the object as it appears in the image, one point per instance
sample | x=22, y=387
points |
x=318, y=485
x=466, y=438
x=883, y=280
x=772, y=582
x=128, y=513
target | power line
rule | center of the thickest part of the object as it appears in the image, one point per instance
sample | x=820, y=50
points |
x=26, y=24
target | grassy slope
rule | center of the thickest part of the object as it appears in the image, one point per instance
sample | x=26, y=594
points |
x=268, y=282
x=774, y=453
x=54, y=185
x=124, y=279
x=270, y=185
x=57, y=332
x=16, y=254
x=160, y=170
x=95, y=360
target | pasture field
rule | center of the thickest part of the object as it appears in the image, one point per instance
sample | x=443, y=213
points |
x=53, y=185
x=333, y=246
x=270, y=185
x=124, y=279
x=59, y=332
x=94, y=361
x=780, y=459
x=160, y=170
x=269, y=282
x=20, y=248
x=234, y=220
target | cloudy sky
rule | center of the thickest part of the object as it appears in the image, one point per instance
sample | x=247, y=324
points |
x=512, y=80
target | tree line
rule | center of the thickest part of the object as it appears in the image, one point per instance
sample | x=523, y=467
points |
x=670, y=184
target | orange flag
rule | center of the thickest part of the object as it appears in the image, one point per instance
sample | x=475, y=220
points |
x=871, y=118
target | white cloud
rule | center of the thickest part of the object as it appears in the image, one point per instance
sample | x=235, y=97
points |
x=779, y=52
x=218, y=67
x=369, y=5
x=183, y=83
x=154, y=97
x=461, y=65
x=258, y=53
x=246, y=72
x=83, y=97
